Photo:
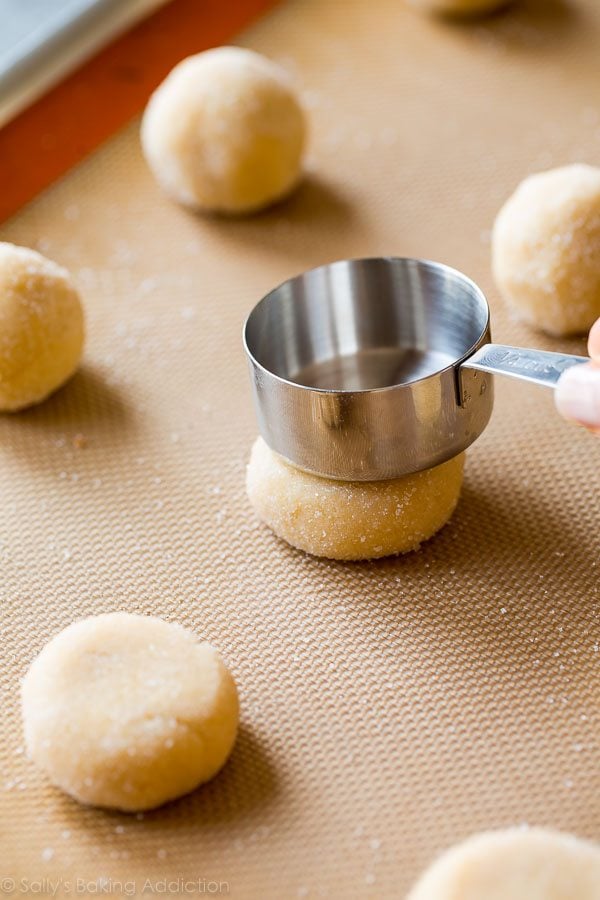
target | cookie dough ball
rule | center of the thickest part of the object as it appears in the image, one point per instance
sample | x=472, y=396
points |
x=225, y=132
x=128, y=711
x=459, y=7
x=519, y=863
x=41, y=327
x=351, y=519
x=546, y=249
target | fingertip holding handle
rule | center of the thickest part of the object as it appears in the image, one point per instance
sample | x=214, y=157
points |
x=577, y=395
x=594, y=342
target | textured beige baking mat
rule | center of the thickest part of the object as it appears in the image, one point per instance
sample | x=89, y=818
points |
x=389, y=709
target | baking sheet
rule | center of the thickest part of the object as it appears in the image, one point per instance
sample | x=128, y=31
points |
x=390, y=708
x=41, y=42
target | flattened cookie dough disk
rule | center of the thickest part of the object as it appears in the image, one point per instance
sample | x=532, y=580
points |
x=128, y=711
x=351, y=519
x=516, y=864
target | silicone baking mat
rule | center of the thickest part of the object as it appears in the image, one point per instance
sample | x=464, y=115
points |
x=388, y=709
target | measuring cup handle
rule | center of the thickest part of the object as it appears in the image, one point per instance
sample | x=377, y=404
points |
x=537, y=366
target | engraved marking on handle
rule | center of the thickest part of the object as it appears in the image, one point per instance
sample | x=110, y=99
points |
x=538, y=366
x=520, y=362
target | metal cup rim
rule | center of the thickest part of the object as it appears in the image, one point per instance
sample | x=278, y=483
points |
x=456, y=274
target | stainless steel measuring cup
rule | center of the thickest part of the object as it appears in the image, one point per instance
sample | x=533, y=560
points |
x=374, y=368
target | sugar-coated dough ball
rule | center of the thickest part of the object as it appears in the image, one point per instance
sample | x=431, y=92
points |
x=351, y=519
x=546, y=249
x=128, y=711
x=516, y=864
x=459, y=7
x=41, y=327
x=225, y=132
